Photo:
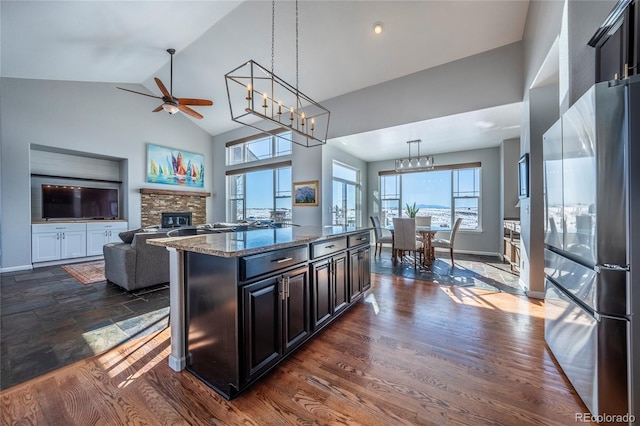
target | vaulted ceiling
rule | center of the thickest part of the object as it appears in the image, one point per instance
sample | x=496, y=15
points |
x=125, y=42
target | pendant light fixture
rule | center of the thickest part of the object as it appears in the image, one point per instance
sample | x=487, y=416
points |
x=415, y=163
x=260, y=99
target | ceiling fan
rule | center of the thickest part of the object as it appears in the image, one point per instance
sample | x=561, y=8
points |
x=170, y=103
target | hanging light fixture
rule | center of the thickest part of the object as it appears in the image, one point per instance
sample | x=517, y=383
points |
x=260, y=99
x=415, y=163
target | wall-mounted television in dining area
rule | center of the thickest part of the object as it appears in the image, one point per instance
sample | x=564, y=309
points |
x=79, y=202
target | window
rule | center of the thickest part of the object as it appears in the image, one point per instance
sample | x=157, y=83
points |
x=466, y=196
x=390, y=199
x=254, y=149
x=259, y=194
x=444, y=194
x=346, y=195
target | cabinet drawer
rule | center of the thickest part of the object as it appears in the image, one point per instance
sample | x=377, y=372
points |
x=58, y=227
x=102, y=226
x=260, y=264
x=359, y=239
x=324, y=248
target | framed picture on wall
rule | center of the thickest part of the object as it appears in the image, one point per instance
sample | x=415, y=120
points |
x=305, y=193
x=523, y=176
x=174, y=166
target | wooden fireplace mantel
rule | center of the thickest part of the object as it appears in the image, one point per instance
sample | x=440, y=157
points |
x=174, y=192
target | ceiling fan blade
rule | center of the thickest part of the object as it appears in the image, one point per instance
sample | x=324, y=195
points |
x=163, y=89
x=189, y=111
x=139, y=93
x=191, y=101
x=157, y=109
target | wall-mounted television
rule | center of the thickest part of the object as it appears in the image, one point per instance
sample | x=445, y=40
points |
x=523, y=176
x=79, y=202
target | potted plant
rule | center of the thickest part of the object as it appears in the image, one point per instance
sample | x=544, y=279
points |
x=412, y=210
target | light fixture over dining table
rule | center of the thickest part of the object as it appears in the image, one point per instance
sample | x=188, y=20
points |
x=260, y=99
x=415, y=163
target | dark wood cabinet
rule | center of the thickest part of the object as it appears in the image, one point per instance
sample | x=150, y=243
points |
x=262, y=325
x=276, y=319
x=340, y=283
x=617, y=43
x=296, y=327
x=245, y=314
x=330, y=288
x=321, y=284
x=359, y=272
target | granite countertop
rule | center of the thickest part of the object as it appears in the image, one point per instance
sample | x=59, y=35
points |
x=234, y=244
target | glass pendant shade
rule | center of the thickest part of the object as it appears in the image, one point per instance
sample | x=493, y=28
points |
x=415, y=163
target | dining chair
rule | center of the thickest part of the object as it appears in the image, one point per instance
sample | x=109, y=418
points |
x=422, y=221
x=383, y=236
x=404, y=238
x=444, y=243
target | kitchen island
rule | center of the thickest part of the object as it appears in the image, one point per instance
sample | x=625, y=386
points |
x=240, y=302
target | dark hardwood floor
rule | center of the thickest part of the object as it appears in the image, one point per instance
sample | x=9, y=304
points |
x=411, y=353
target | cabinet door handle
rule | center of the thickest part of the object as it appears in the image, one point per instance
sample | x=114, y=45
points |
x=284, y=259
x=330, y=246
x=109, y=233
x=63, y=235
x=286, y=283
x=281, y=291
x=362, y=239
x=58, y=236
x=105, y=233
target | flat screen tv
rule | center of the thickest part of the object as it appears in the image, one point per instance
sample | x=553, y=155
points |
x=78, y=202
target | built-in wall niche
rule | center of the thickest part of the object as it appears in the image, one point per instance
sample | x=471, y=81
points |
x=74, y=169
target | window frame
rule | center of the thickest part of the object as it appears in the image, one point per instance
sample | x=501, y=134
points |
x=453, y=169
x=245, y=143
x=276, y=195
x=345, y=182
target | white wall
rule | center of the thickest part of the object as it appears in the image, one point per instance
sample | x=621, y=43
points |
x=489, y=240
x=541, y=107
x=583, y=19
x=484, y=80
x=80, y=117
x=509, y=156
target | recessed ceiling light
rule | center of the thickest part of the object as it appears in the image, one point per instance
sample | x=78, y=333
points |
x=377, y=28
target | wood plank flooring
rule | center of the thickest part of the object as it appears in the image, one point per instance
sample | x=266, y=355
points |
x=411, y=353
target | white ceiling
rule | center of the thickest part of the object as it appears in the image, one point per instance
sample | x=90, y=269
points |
x=459, y=132
x=125, y=42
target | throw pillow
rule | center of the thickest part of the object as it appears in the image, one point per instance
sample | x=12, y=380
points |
x=127, y=236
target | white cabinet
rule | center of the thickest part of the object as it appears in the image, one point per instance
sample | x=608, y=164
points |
x=58, y=241
x=101, y=233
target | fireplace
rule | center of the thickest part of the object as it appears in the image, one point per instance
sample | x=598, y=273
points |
x=175, y=219
x=154, y=202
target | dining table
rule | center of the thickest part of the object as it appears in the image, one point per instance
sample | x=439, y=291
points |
x=427, y=233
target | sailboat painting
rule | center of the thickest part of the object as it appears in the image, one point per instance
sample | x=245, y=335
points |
x=174, y=167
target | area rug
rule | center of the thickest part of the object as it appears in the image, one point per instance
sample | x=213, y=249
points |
x=88, y=272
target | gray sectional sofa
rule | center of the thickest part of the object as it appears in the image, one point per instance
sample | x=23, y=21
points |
x=137, y=265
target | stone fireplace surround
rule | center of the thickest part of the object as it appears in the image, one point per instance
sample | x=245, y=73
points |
x=154, y=202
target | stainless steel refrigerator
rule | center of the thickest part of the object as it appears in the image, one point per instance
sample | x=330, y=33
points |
x=592, y=244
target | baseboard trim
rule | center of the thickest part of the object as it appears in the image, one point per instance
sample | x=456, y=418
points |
x=535, y=294
x=67, y=261
x=479, y=253
x=16, y=268
x=177, y=364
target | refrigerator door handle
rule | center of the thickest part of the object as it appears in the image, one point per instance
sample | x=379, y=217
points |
x=611, y=267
